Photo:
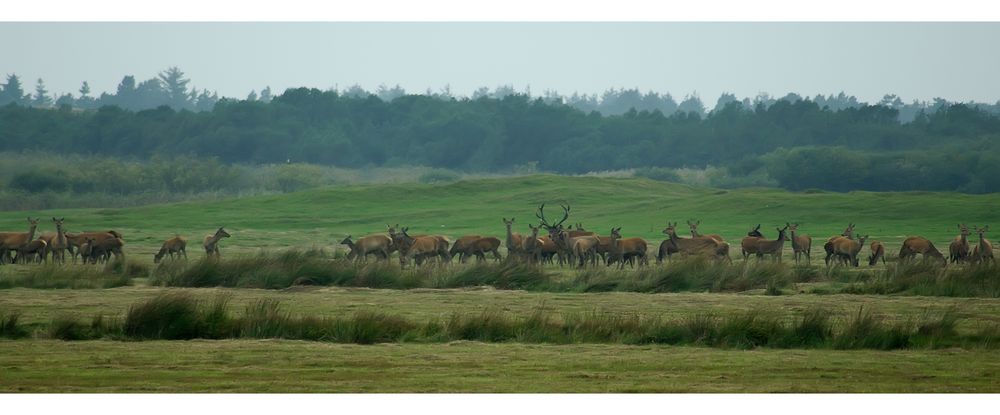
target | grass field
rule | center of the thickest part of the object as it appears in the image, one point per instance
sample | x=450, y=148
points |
x=320, y=218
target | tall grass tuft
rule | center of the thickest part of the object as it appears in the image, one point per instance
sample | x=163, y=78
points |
x=57, y=276
x=865, y=330
x=10, y=327
x=170, y=316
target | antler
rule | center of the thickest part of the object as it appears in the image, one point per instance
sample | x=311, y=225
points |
x=540, y=214
x=565, y=215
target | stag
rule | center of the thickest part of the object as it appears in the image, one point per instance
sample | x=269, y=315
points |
x=801, y=244
x=558, y=235
x=693, y=246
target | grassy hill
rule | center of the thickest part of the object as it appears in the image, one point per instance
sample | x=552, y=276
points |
x=321, y=217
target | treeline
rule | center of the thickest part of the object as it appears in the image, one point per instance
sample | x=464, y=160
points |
x=797, y=144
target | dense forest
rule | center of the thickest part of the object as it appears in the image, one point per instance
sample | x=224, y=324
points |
x=794, y=143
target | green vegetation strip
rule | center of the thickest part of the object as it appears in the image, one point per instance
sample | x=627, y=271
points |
x=179, y=316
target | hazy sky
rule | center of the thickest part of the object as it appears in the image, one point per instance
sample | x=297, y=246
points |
x=957, y=61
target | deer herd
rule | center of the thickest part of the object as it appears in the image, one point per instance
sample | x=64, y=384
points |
x=548, y=243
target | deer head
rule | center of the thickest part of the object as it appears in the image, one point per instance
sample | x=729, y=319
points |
x=963, y=230
x=755, y=232
x=221, y=233
x=554, y=229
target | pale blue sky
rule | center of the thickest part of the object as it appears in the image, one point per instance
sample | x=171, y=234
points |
x=957, y=61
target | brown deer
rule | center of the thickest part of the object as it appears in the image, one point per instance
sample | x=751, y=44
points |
x=696, y=234
x=101, y=250
x=919, y=245
x=33, y=251
x=773, y=248
x=531, y=246
x=56, y=243
x=548, y=250
x=211, y=242
x=878, y=252
x=377, y=245
x=958, y=250
x=626, y=250
x=12, y=241
x=749, y=243
x=463, y=247
x=558, y=235
x=847, y=250
x=585, y=248
x=514, y=240
x=828, y=246
x=76, y=240
x=983, y=251
x=801, y=244
x=692, y=246
x=481, y=246
x=420, y=248
x=176, y=245
x=666, y=250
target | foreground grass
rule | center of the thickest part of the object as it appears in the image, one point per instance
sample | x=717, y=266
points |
x=295, y=366
x=321, y=217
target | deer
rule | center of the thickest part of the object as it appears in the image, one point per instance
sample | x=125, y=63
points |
x=585, y=248
x=801, y=244
x=558, y=235
x=420, y=248
x=75, y=241
x=549, y=249
x=33, y=251
x=211, y=242
x=12, y=241
x=377, y=245
x=828, y=246
x=101, y=250
x=695, y=234
x=626, y=250
x=481, y=246
x=958, y=250
x=56, y=243
x=847, y=249
x=176, y=245
x=463, y=247
x=441, y=242
x=749, y=243
x=919, y=245
x=983, y=251
x=514, y=240
x=531, y=246
x=692, y=246
x=878, y=252
x=773, y=248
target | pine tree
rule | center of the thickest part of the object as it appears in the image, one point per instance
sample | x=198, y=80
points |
x=42, y=98
x=12, y=91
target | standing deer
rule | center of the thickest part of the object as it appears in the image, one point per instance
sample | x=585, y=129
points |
x=558, y=235
x=585, y=248
x=801, y=244
x=481, y=246
x=983, y=251
x=463, y=247
x=211, y=242
x=76, y=240
x=692, y=246
x=12, y=241
x=958, y=250
x=878, y=252
x=749, y=243
x=33, y=251
x=696, y=234
x=773, y=248
x=919, y=245
x=101, y=250
x=419, y=248
x=56, y=243
x=531, y=246
x=514, y=240
x=828, y=246
x=847, y=250
x=176, y=245
x=377, y=245
x=626, y=250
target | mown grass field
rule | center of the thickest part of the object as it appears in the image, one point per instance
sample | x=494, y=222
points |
x=320, y=218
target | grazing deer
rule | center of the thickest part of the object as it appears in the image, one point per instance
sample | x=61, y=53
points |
x=878, y=252
x=419, y=248
x=773, y=248
x=377, y=245
x=847, y=250
x=626, y=250
x=176, y=245
x=56, y=243
x=481, y=246
x=33, y=251
x=12, y=241
x=531, y=246
x=692, y=246
x=801, y=244
x=463, y=247
x=695, y=234
x=514, y=240
x=983, y=251
x=75, y=241
x=919, y=245
x=749, y=243
x=211, y=242
x=958, y=250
